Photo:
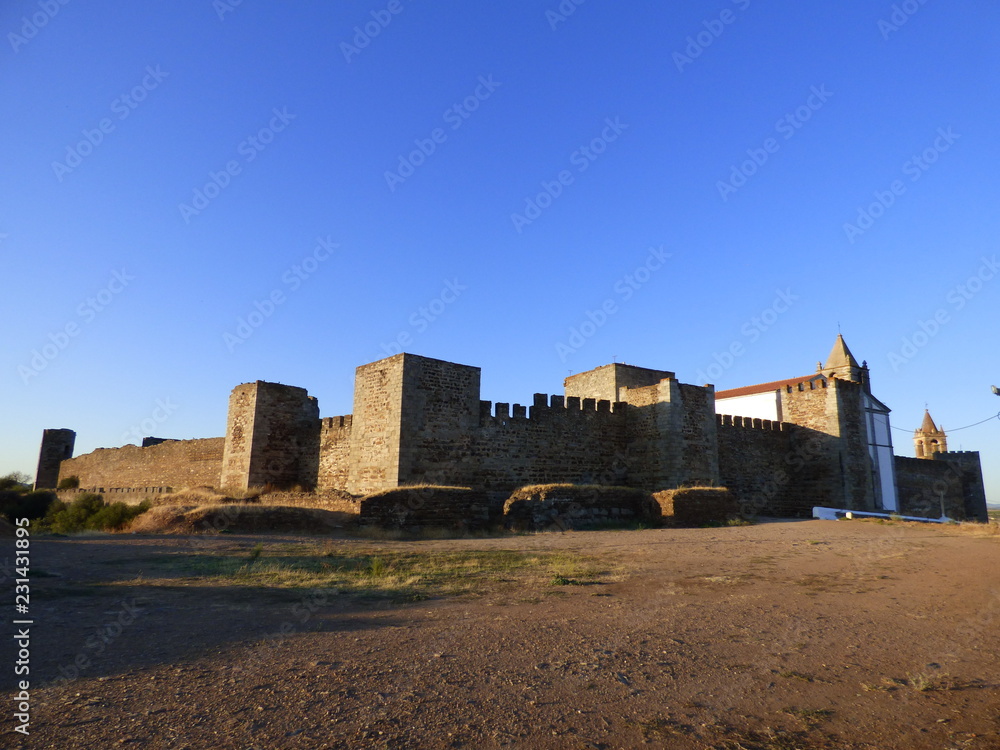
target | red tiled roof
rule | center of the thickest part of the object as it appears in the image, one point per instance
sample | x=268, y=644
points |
x=775, y=385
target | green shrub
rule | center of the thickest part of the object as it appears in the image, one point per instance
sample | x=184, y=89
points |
x=31, y=505
x=89, y=511
x=69, y=483
x=15, y=481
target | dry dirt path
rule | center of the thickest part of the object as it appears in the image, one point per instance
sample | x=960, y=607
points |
x=783, y=635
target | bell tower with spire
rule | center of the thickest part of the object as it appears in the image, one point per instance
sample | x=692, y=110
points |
x=842, y=364
x=929, y=439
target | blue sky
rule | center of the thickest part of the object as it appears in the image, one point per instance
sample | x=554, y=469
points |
x=199, y=194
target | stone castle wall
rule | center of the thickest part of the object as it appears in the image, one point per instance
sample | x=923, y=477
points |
x=968, y=467
x=172, y=463
x=418, y=420
x=950, y=483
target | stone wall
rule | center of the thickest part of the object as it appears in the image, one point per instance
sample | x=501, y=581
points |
x=424, y=507
x=671, y=435
x=950, y=482
x=756, y=464
x=57, y=446
x=174, y=463
x=929, y=488
x=439, y=415
x=561, y=507
x=856, y=464
x=970, y=473
x=697, y=506
x=839, y=471
x=559, y=440
x=605, y=383
x=333, y=459
x=272, y=437
x=375, y=430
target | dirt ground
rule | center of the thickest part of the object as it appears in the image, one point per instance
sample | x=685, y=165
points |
x=798, y=634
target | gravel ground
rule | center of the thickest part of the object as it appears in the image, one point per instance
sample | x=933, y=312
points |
x=798, y=634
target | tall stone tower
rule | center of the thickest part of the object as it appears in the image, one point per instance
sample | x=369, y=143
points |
x=929, y=439
x=57, y=445
x=272, y=437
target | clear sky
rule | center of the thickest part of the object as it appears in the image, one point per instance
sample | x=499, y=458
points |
x=198, y=194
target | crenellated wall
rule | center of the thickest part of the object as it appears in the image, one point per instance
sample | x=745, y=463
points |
x=559, y=440
x=418, y=420
x=333, y=457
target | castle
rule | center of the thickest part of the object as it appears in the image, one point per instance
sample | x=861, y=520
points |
x=781, y=447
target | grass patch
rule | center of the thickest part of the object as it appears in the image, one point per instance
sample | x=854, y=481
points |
x=388, y=573
x=924, y=682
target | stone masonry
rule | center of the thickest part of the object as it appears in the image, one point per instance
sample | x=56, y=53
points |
x=418, y=420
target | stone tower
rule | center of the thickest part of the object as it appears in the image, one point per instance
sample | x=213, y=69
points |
x=57, y=445
x=929, y=439
x=842, y=364
x=272, y=436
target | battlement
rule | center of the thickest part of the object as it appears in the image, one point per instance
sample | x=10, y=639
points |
x=813, y=384
x=337, y=423
x=751, y=423
x=544, y=406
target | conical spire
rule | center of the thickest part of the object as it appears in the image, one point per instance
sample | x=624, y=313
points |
x=928, y=423
x=840, y=355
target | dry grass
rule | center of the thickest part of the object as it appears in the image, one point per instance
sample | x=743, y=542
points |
x=197, y=496
x=390, y=573
x=236, y=517
x=570, y=490
x=415, y=487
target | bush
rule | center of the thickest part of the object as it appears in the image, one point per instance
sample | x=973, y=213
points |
x=89, y=511
x=31, y=505
x=15, y=481
x=69, y=483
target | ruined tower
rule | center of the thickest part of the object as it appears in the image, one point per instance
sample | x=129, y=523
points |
x=57, y=445
x=929, y=438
